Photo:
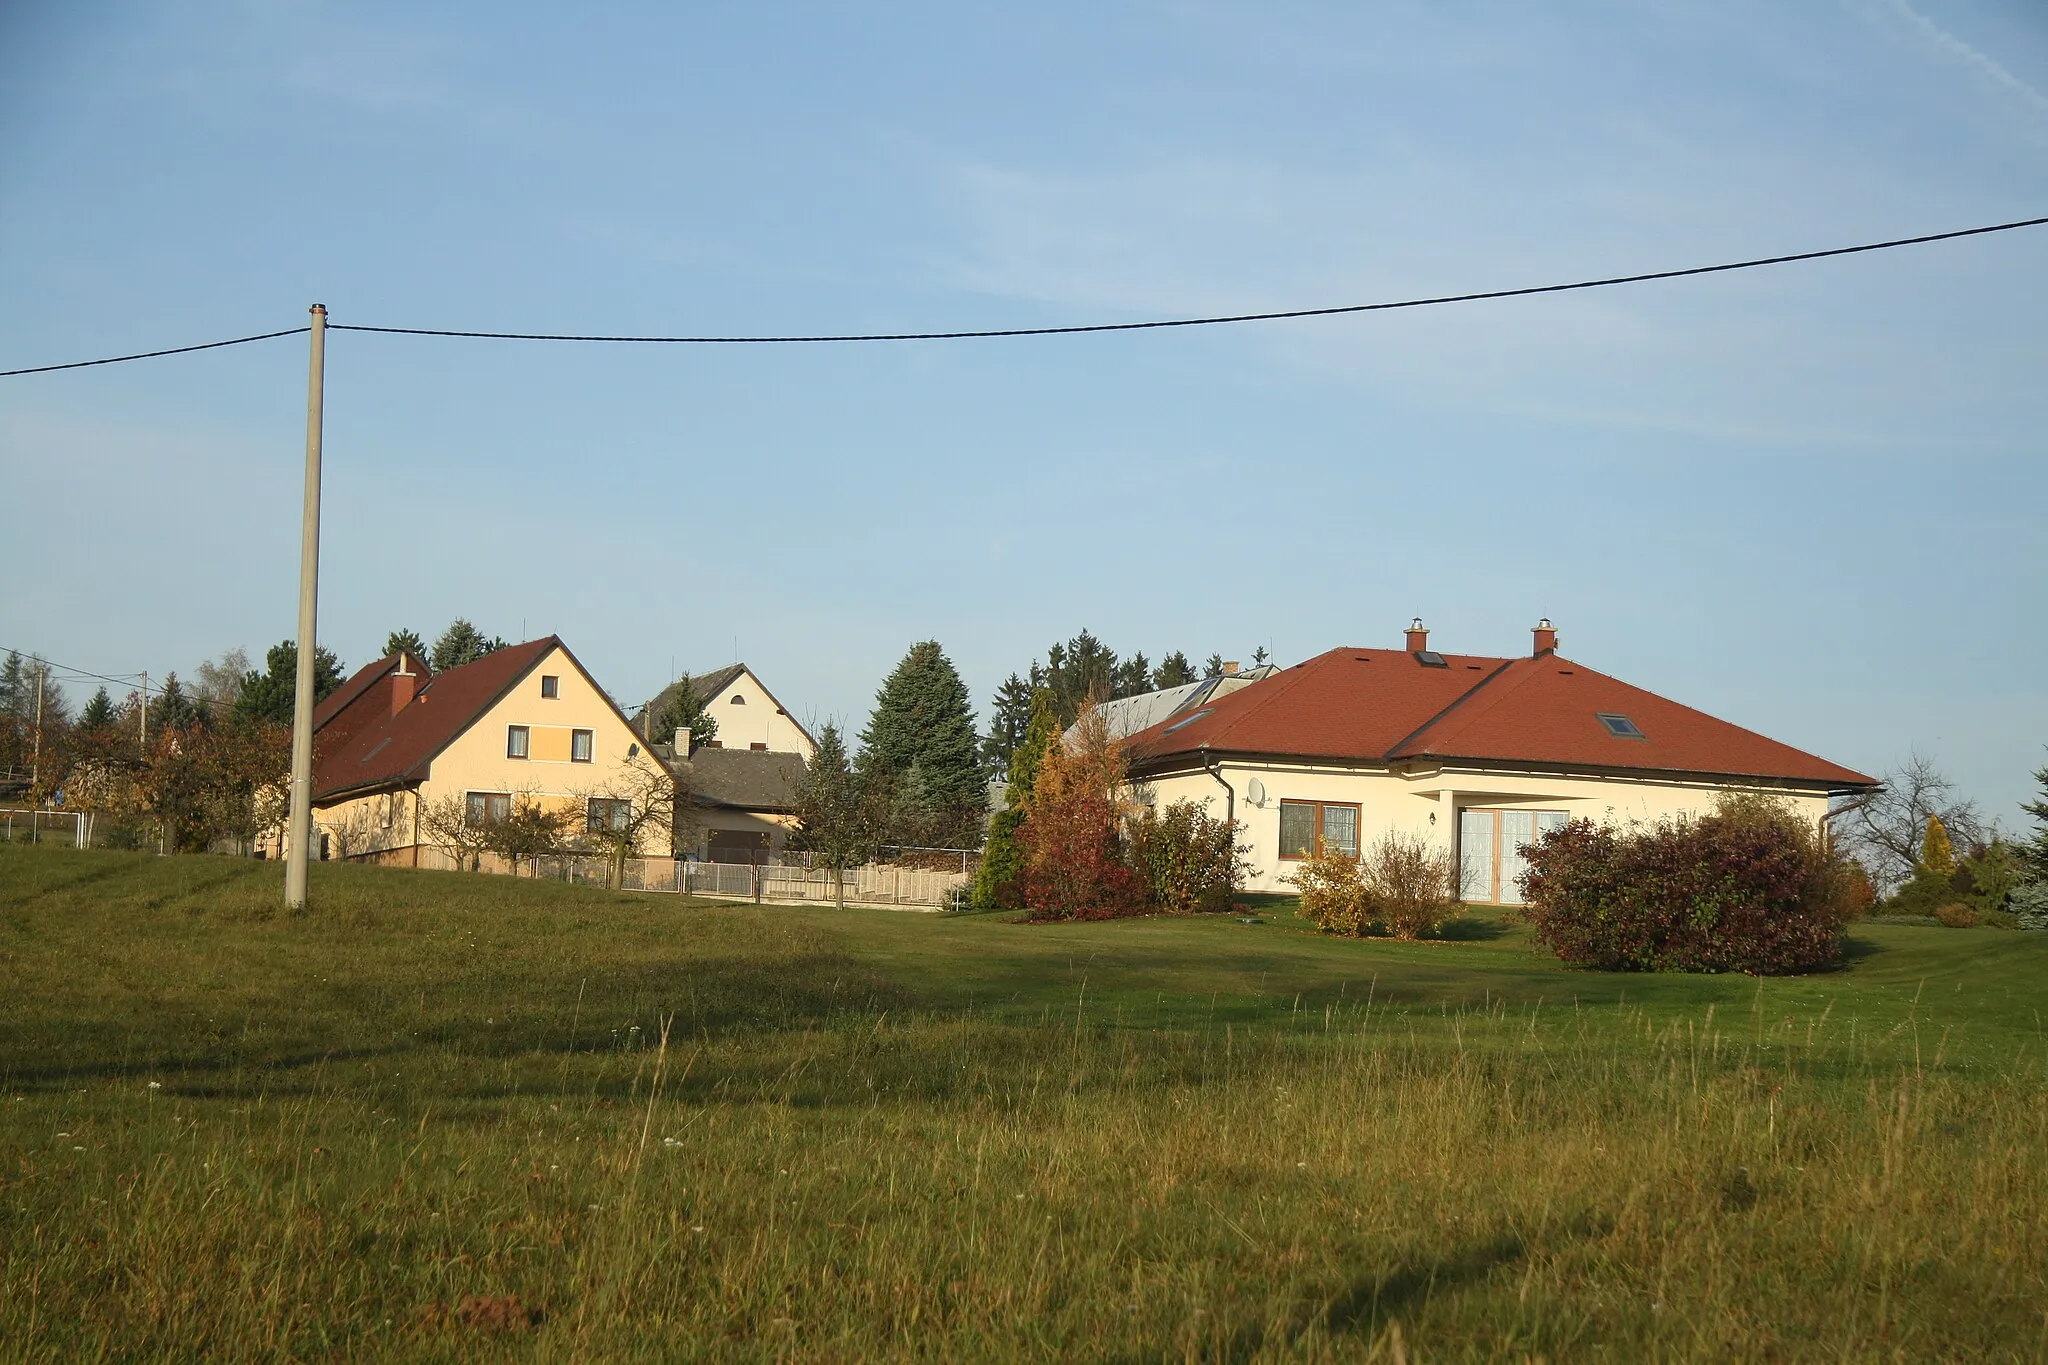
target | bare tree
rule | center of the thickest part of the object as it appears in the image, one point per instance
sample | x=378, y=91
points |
x=219, y=684
x=641, y=797
x=445, y=823
x=1884, y=826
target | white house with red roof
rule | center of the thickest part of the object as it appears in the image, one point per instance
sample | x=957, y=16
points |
x=1481, y=753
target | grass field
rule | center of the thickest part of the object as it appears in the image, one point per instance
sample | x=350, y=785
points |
x=365, y=1132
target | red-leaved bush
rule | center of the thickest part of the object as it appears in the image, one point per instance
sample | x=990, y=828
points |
x=1074, y=865
x=1751, y=887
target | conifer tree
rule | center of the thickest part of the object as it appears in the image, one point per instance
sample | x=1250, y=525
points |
x=460, y=644
x=98, y=713
x=2037, y=849
x=922, y=718
x=1937, y=855
x=1132, y=677
x=1174, y=671
x=268, y=695
x=1213, y=668
x=832, y=816
x=1009, y=716
x=405, y=642
x=686, y=708
x=999, y=881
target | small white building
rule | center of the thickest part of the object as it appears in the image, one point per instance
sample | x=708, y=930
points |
x=1480, y=753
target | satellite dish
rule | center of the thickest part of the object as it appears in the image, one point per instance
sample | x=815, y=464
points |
x=1256, y=791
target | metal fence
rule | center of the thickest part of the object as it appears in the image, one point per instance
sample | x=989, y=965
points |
x=46, y=826
x=777, y=883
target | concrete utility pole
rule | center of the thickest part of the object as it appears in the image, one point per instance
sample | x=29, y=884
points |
x=142, y=715
x=35, y=769
x=300, y=833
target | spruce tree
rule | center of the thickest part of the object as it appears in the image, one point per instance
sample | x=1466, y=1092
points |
x=460, y=644
x=171, y=709
x=268, y=695
x=1174, y=671
x=405, y=642
x=1132, y=677
x=98, y=713
x=2037, y=849
x=1008, y=718
x=922, y=718
x=1213, y=668
x=686, y=708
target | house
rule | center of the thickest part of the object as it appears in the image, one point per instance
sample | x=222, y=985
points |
x=398, y=740
x=742, y=805
x=742, y=782
x=747, y=714
x=1477, y=753
x=1126, y=716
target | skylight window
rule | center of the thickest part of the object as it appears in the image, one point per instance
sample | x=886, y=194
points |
x=1620, y=726
x=1186, y=721
x=1429, y=658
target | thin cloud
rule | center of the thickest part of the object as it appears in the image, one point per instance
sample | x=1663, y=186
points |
x=1938, y=40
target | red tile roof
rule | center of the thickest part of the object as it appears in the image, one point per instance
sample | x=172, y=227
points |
x=1385, y=706
x=362, y=745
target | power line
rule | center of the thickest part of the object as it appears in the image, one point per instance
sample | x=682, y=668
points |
x=1227, y=317
x=151, y=355
x=1073, y=330
x=128, y=681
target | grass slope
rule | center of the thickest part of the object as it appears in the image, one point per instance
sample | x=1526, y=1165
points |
x=362, y=1133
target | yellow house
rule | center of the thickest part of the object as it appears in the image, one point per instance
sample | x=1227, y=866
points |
x=1479, y=755
x=401, y=753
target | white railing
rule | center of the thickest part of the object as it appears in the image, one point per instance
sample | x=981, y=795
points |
x=40, y=826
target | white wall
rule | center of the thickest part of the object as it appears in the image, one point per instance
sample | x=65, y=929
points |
x=747, y=716
x=1426, y=803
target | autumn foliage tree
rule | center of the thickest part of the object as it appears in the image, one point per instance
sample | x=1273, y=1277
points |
x=1074, y=866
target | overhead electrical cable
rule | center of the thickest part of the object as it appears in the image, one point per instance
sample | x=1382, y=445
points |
x=151, y=355
x=1437, y=300
x=128, y=681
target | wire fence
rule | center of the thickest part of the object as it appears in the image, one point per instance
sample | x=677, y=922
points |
x=770, y=884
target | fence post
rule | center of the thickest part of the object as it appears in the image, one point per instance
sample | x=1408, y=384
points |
x=755, y=870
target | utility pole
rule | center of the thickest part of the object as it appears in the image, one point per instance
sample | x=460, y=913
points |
x=142, y=714
x=35, y=766
x=300, y=834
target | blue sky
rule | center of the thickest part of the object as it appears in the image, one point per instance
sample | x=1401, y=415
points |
x=1807, y=499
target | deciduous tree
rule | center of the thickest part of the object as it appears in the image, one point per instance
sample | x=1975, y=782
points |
x=834, y=817
x=1073, y=859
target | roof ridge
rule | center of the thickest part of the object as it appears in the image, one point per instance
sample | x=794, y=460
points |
x=1394, y=750
x=1266, y=695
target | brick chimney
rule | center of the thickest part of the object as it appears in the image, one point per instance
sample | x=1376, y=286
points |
x=405, y=685
x=1229, y=667
x=1546, y=637
x=1418, y=636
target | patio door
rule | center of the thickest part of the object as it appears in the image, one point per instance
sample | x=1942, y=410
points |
x=1490, y=851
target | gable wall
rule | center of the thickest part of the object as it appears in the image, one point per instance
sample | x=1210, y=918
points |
x=747, y=715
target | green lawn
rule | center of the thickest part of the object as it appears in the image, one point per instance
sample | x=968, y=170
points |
x=226, y=1132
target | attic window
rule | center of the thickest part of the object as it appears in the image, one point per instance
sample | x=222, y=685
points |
x=1429, y=658
x=1186, y=721
x=739, y=701
x=550, y=686
x=1621, y=727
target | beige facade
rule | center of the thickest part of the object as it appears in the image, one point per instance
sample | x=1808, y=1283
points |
x=1478, y=813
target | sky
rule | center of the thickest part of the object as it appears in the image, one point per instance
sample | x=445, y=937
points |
x=1808, y=499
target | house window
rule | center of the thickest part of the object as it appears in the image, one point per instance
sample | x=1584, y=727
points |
x=1621, y=727
x=1490, y=851
x=486, y=808
x=515, y=741
x=739, y=701
x=1304, y=822
x=604, y=813
x=550, y=686
x=579, y=746
x=758, y=748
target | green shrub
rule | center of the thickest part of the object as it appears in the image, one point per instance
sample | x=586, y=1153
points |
x=1404, y=886
x=1751, y=888
x=1957, y=916
x=1188, y=861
